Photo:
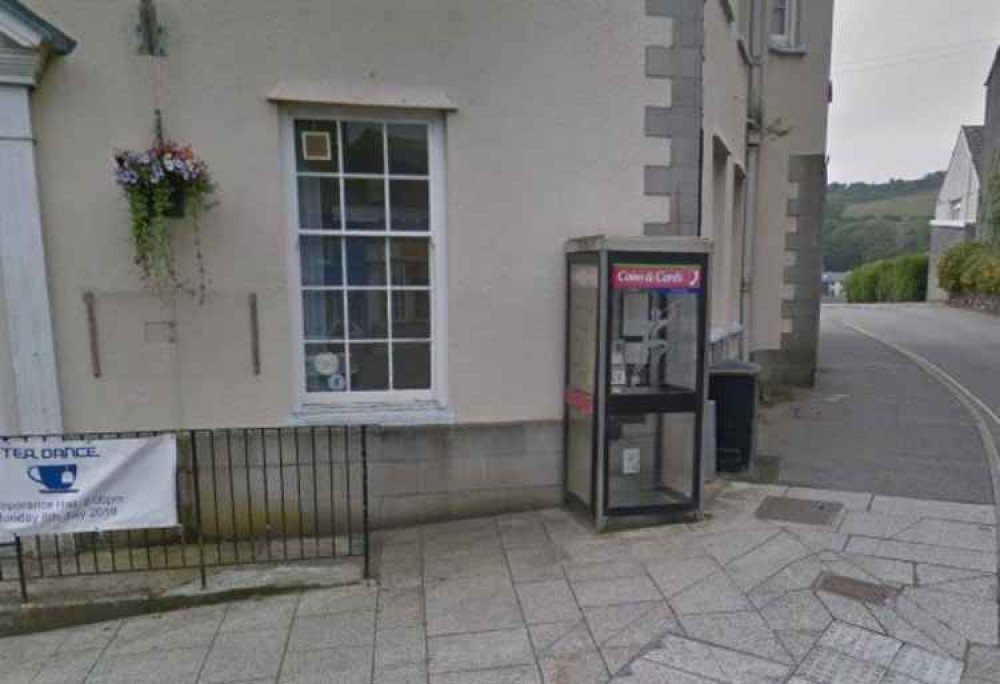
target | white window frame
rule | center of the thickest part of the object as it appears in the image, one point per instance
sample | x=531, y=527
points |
x=789, y=37
x=371, y=402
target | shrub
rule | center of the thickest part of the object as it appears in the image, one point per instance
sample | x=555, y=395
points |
x=953, y=264
x=863, y=284
x=911, y=278
x=982, y=271
x=903, y=279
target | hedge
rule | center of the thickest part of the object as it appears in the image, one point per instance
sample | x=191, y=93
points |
x=902, y=279
x=970, y=267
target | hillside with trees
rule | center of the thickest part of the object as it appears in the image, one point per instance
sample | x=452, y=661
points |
x=867, y=222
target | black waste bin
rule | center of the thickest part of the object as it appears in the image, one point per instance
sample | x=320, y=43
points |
x=732, y=385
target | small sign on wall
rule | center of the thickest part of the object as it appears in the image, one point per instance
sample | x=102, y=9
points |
x=631, y=459
x=316, y=146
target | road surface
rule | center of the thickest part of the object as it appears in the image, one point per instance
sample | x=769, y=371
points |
x=876, y=421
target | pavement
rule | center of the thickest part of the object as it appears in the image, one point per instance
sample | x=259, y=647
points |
x=886, y=591
x=876, y=422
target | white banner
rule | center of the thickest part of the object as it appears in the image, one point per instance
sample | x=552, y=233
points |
x=55, y=487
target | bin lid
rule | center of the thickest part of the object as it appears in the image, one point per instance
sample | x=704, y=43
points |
x=735, y=367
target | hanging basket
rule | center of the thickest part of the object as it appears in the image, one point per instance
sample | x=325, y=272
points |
x=167, y=181
x=178, y=203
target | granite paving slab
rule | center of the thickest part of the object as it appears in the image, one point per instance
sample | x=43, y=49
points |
x=479, y=651
x=506, y=675
x=549, y=601
x=717, y=593
x=758, y=565
x=924, y=553
x=561, y=638
x=609, y=592
x=351, y=666
x=941, y=510
x=926, y=667
x=239, y=656
x=539, y=598
x=746, y=632
x=585, y=667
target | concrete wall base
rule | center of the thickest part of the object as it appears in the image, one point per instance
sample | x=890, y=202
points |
x=424, y=474
x=787, y=368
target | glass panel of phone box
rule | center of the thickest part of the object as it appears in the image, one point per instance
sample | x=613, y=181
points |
x=654, y=351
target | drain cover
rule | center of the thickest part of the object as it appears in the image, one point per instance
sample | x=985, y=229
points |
x=851, y=588
x=804, y=511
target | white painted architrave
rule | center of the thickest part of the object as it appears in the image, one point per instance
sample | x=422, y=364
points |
x=23, y=271
x=32, y=359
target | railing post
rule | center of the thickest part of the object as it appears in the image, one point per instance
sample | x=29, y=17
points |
x=197, y=508
x=21, y=577
x=364, y=500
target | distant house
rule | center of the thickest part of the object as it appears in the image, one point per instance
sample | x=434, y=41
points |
x=958, y=202
x=991, y=139
x=962, y=211
x=833, y=284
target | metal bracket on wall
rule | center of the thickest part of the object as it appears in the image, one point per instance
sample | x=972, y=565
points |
x=95, y=350
x=254, y=334
x=151, y=34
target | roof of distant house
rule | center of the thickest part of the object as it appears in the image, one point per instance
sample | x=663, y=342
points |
x=995, y=68
x=975, y=136
x=56, y=39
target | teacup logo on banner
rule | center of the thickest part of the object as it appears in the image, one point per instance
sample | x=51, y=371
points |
x=57, y=479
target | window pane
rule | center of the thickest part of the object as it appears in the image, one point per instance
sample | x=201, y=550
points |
x=408, y=149
x=326, y=368
x=363, y=147
x=365, y=204
x=410, y=261
x=366, y=261
x=779, y=17
x=321, y=260
x=369, y=367
x=410, y=205
x=323, y=315
x=316, y=146
x=319, y=203
x=411, y=314
x=411, y=366
x=368, y=311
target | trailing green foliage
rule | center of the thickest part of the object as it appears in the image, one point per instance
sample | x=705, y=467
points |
x=902, y=279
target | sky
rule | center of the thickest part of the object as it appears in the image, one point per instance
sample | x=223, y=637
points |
x=906, y=75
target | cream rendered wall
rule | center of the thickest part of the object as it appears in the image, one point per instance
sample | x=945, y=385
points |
x=796, y=109
x=546, y=144
x=960, y=183
x=727, y=80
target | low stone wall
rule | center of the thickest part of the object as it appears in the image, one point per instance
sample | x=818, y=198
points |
x=986, y=303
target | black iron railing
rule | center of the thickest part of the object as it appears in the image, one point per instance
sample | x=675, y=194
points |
x=244, y=496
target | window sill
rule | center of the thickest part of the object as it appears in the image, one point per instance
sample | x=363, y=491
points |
x=719, y=334
x=952, y=223
x=424, y=413
x=783, y=48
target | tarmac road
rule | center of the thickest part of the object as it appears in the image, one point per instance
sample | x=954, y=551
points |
x=878, y=422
